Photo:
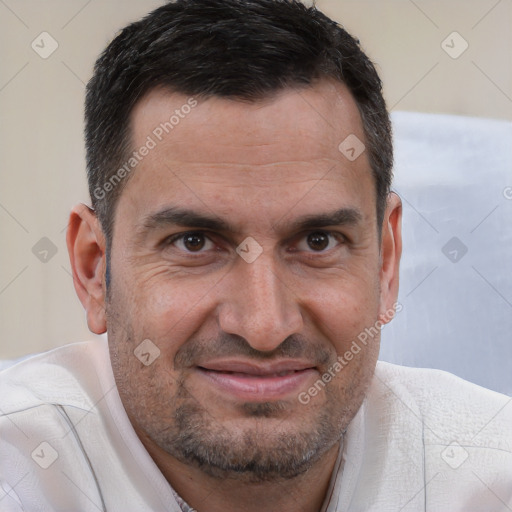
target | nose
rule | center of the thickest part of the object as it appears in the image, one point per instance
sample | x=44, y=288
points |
x=259, y=305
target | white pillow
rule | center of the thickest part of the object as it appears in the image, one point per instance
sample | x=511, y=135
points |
x=454, y=175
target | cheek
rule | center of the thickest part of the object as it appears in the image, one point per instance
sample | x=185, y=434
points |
x=346, y=316
x=350, y=315
x=170, y=309
x=344, y=308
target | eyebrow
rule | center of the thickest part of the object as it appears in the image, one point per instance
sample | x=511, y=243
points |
x=184, y=217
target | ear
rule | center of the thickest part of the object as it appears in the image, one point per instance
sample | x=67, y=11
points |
x=390, y=253
x=86, y=248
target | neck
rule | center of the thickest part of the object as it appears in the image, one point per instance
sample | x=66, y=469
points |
x=202, y=492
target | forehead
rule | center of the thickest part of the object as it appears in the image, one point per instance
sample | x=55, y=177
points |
x=309, y=123
x=267, y=151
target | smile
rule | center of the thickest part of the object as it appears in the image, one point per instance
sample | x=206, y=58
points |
x=258, y=383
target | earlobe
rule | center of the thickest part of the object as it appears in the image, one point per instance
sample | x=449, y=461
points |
x=87, y=253
x=391, y=252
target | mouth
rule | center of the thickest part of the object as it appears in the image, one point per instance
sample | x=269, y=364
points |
x=253, y=382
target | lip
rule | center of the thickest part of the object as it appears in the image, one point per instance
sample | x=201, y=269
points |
x=258, y=382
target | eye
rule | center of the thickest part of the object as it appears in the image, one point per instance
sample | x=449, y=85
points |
x=194, y=241
x=319, y=241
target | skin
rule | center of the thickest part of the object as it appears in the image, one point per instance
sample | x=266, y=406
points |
x=261, y=167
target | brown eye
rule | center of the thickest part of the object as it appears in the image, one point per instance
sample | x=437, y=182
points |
x=194, y=242
x=318, y=241
x=191, y=242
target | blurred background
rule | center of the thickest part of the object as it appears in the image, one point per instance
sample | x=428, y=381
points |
x=448, y=57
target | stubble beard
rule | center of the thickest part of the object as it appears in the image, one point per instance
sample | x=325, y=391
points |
x=281, y=449
x=255, y=454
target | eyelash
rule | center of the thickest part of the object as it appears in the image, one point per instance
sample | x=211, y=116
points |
x=341, y=239
x=180, y=236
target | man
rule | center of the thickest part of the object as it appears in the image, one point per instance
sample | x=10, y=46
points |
x=242, y=254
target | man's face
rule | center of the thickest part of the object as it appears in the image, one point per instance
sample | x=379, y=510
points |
x=241, y=334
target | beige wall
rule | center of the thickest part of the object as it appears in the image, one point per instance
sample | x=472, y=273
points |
x=404, y=38
x=42, y=157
